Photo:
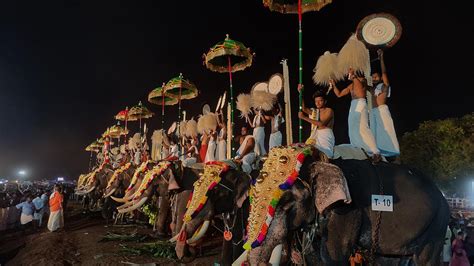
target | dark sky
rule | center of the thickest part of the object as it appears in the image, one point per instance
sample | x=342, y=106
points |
x=67, y=67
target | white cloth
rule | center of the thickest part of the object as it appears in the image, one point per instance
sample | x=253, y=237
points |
x=275, y=140
x=174, y=151
x=247, y=162
x=259, y=136
x=360, y=134
x=211, y=151
x=323, y=140
x=221, y=153
x=381, y=124
x=379, y=87
x=56, y=220
x=26, y=218
x=189, y=161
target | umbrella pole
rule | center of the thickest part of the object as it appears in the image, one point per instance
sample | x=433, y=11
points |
x=300, y=59
x=162, y=121
x=231, y=129
x=90, y=162
x=179, y=118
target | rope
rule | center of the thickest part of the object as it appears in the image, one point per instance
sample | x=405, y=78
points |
x=376, y=229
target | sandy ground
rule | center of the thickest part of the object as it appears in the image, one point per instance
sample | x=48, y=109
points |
x=79, y=244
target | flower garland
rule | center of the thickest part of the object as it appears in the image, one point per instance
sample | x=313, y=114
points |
x=150, y=176
x=205, y=178
x=139, y=170
x=117, y=173
x=276, y=195
x=94, y=173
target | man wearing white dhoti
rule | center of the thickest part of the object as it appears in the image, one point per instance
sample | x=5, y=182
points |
x=191, y=153
x=322, y=136
x=276, y=137
x=221, y=153
x=360, y=134
x=381, y=122
x=245, y=153
x=56, y=219
x=211, y=147
x=259, y=133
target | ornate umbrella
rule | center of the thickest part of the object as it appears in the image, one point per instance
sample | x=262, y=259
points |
x=297, y=7
x=95, y=146
x=123, y=116
x=159, y=97
x=115, y=131
x=229, y=56
x=181, y=89
x=139, y=112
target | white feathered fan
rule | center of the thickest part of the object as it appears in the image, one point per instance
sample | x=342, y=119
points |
x=354, y=55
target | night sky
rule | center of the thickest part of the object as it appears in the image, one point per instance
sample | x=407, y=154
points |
x=66, y=68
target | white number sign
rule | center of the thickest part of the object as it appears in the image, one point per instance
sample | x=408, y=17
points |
x=382, y=203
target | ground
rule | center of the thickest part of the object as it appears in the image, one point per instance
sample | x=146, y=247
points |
x=79, y=244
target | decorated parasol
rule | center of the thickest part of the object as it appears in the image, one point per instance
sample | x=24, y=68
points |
x=229, y=56
x=159, y=97
x=297, y=7
x=182, y=89
x=95, y=146
x=115, y=131
x=123, y=116
x=139, y=112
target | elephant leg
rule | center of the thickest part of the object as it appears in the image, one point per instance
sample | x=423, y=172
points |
x=181, y=202
x=429, y=254
x=342, y=232
x=226, y=255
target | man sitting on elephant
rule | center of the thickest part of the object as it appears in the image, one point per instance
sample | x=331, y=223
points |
x=322, y=123
x=245, y=154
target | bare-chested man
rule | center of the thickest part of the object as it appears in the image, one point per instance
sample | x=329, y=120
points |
x=321, y=136
x=360, y=134
x=276, y=119
x=381, y=122
x=245, y=153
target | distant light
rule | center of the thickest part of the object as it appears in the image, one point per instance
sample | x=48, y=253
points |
x=22, y=172
x=1, y=182
x=60, y=178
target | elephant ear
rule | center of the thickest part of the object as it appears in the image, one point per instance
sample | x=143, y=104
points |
x=331, y=185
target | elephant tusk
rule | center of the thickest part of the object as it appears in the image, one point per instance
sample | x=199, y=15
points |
x=134, y=207
x=275, y=258
x=241, y=259
x=126, y=205
x=110, y=193
x=199, y=233
x=175, y=238
x=90, y=190
x=121, y=200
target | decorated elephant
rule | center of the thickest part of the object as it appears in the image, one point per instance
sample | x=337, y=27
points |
x=335, y=200
x=134, y=183
x=222, y=191
x=95, y=185
x=116, y=186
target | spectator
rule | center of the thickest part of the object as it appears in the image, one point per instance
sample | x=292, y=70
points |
x=56, y=211
x=39, y=202
x=459, y=257
x=27, y=209
x=447, y=247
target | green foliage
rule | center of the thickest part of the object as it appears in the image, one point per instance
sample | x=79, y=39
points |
x=159, y=249
x=442, y=149
x=151, y=211
x=110, y=236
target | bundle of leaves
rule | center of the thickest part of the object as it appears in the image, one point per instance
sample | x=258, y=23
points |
x=159, y=249
x=151, y=211
x=110, y=236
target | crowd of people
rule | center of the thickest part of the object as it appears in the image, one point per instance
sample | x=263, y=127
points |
x=27, y=210
x=458, y=249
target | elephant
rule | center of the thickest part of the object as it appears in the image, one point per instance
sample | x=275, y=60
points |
x=96, y=184
x=168, y=175
x=230, y=199
x=116, y=187
x=134, y=183
x=415, y=229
